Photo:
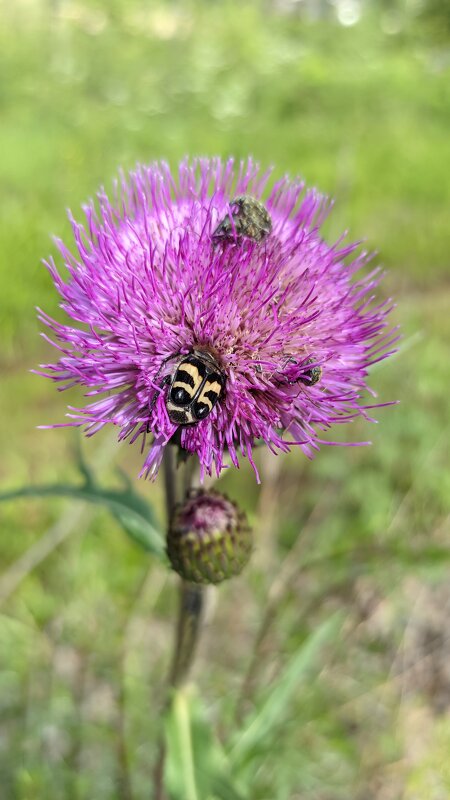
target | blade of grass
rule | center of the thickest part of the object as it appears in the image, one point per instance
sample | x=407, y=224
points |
x=180, y=769
x=272, y=711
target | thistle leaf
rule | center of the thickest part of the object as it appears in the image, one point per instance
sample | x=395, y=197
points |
x=133, y=513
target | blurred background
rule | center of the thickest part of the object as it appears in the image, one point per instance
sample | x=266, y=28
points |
x=354, y=95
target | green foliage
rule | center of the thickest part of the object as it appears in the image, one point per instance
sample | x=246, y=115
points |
x=196, y=765
x=129, y=508
x=87, y=89
x=85, y=636
x=431, y=778
x=258, y=734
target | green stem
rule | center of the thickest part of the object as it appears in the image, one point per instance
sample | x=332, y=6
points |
x=178, y=482
x=188, y=629
x=190, y=606
x=170, y=481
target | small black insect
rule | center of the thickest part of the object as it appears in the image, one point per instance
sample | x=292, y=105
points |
x=308, y=377
x=313, y=375
x=196, y=385
x=249, y=218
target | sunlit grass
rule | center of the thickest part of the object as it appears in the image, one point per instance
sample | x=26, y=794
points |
x=85, y=93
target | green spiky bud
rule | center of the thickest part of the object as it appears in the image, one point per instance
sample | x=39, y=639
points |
x=209, y=539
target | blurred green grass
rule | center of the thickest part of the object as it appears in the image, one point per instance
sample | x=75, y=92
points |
x=84, y=92
x=364, y=116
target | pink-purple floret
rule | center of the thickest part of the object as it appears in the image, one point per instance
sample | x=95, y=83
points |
x=146, y=282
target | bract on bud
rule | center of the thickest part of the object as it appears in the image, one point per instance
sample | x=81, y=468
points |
x=209, y=539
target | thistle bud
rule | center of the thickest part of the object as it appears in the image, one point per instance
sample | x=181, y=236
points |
x=209, y=539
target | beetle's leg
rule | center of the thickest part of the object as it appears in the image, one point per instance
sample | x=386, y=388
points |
x=165, y=382
x=259, y=370
x=164, y=362
x=307, y=381
x=289, y=360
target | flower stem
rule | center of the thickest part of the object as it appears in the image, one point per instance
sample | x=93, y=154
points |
x=190, y=603
x=188, y=629
x=178, y=482
x=170, y=482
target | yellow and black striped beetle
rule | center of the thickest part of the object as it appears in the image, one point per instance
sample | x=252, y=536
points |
x=196, y=385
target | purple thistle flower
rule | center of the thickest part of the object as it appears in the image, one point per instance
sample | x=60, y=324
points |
x=150, y=283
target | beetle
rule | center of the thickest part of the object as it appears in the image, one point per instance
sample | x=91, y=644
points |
x=309, y=377
x=249, y=218
x=196, y=385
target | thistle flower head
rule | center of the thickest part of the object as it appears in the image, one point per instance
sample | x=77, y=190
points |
x=209, y=539
x=210, y=311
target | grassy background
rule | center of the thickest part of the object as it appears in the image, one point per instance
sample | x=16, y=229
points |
x=363, y=112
